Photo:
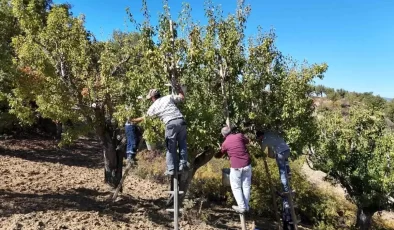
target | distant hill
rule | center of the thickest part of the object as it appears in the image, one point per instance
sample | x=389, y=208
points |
x=388, y=99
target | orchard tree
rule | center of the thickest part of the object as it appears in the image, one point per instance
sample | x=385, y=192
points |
x=7, y=69
x=389, y=110
x=70, y=76
x=357, y=151
x=207, y=60
x=223, y=82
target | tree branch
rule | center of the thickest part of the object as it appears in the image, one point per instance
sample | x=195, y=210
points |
x=126, y=59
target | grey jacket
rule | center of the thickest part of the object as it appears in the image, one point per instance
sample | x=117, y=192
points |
x=275, y=142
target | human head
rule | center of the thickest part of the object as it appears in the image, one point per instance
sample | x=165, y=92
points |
x=226, y=131
x=259, y=135
x=153, y=94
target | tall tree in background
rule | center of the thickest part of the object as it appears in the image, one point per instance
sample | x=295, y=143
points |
x=7, y=69
x=390, y=110
x=69, y=75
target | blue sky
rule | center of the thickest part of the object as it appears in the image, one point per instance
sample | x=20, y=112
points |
x=354, y=37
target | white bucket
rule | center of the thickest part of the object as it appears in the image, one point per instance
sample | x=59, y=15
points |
x=226, y=177
x=150, y=146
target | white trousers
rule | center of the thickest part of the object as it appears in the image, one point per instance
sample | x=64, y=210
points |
x=240, y=181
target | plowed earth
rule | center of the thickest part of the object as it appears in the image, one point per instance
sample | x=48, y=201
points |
x=45, y=187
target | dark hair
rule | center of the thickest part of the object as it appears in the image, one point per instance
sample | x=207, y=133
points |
x=259, y=133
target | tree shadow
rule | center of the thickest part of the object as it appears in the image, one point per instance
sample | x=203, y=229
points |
x=157, y=212
x=83, y=199
x=76, y=199
x=83, y=153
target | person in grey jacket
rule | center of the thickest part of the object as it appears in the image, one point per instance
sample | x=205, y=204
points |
x=278, y=149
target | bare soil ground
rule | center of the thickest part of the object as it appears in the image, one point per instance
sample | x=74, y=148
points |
x=45, y=187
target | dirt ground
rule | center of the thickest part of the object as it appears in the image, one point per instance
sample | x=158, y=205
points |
x=45, y=187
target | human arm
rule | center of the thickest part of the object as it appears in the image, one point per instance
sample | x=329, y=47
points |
x=137, y=120
x=222, y=152
x=150, y=113
x=180, y=96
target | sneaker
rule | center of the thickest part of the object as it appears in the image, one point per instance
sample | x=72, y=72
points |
x=169, y=172
x=183, y=167
x=238, y=209
x=128, y=160
x=134, y=157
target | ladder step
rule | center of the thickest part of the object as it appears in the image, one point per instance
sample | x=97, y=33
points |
x=172, y=192
x=287, y=193
x=172, y=210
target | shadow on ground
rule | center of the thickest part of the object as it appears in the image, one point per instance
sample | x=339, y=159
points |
x=75, y=200
x=83, y=153
x=83, y=199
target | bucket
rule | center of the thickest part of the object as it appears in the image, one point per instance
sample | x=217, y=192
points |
x=150, y=146
x=226, y=177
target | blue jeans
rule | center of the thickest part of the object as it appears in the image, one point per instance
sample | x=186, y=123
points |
x=282, y=159
x=131, y=144
x=175, y=135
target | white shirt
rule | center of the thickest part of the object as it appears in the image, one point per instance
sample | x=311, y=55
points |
x=165, y=108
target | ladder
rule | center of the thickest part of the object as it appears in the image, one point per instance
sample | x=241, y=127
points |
x=130, y=165
x=289, y=195
x=175, y=193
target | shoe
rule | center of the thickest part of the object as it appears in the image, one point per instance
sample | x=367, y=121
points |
x=169, y=172
x=183, y=167
x=134, y=157
x=238, y=209
x=128, y=160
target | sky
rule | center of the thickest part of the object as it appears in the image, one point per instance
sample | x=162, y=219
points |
x=354, y=37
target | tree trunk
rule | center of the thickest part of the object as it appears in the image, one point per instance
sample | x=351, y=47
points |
x=59, y=130
x=113, y=162
x=113, y=156
x=364, y=219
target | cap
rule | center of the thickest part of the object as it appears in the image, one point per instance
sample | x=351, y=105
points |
x=152, y=93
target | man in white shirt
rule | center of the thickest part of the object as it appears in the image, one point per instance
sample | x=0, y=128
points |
x=175, y=134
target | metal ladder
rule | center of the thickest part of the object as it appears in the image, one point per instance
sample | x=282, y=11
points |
x=175, y=193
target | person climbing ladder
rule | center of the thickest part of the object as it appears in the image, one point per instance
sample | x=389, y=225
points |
x=175, y=132
x=132, y=140
x=278, y=149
